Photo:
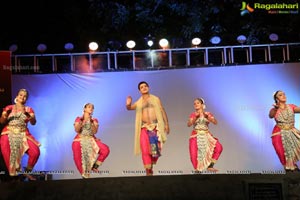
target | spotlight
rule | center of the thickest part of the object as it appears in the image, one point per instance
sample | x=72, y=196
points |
x=196, y=41
x=13, y=48
x=93, y=46
x=150, y=43
x=215, y=40
x=241, y=39
x=130, y=44
x=164, y=43
x=273, y=37
x=69, y=47
x=149, y=40
x=42, y=48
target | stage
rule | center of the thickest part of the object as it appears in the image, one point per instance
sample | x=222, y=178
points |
x=240, y=104
x=167, y=187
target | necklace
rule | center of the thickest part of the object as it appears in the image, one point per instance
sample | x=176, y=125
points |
x=19, y=108
x=285, y=113
x=18, y=111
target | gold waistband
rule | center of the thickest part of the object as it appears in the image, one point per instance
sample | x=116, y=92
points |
x=285, y=126
x=16, y=130
x=149, y=127
x=199, y=132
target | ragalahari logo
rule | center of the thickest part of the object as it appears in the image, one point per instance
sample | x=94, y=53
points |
x=246, y=9
x=270, y=8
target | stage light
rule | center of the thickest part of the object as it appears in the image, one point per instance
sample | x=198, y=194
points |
x=13, y=48
x=150, y=43
x=149, y=40
x=163, y=43
x=196, y=41
x=130, y=44
x=241, y=39
x=69, y=47
x=215, y=40
x=42, y=48
x=273, y=37
x=93, y=46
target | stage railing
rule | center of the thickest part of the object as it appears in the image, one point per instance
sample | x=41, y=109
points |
x=155, y=59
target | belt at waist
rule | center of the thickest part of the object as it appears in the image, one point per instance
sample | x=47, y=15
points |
x=285, y=126
x=199, y=132
x=16, y=129
x=149, y=127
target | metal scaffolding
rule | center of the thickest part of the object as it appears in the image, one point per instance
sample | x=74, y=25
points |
x=152, y=59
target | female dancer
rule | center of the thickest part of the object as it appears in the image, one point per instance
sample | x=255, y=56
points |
x=285, y=137
x=88, y=151
x=16, y=138
x=204, y=148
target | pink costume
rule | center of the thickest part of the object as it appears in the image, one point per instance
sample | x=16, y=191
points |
x=286, y=138
x=150, y=147
x=87, y=149
x=17, y=140
x=204, y=148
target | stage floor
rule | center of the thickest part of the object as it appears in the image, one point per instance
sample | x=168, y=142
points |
x=166, y=187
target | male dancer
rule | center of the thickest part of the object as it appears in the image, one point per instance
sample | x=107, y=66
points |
x=151, y=126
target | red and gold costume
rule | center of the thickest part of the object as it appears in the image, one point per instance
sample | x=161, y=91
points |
x=17, y=140
x=203, y=146
x=87, y=149
x=286, y=138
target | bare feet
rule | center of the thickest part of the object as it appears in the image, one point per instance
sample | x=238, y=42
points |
x=211, y=169
x=30, y=177
x=95, y=167
x=149, y=172
x=95, y=170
